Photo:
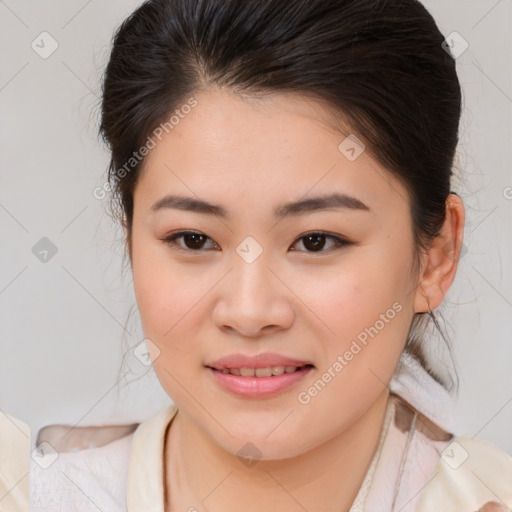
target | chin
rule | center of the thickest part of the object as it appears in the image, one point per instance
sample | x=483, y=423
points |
x=259, y=446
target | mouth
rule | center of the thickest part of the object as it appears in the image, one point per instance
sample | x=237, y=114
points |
x=259, y=376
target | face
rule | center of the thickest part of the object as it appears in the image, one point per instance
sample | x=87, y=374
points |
x=326, y=289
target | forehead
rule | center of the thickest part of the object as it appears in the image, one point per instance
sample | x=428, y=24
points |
x=272, y=146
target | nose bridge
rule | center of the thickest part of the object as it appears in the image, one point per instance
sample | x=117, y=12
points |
x=253, y=298
x=251, y=284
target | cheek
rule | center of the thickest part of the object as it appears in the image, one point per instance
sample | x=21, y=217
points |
x=164, y=294
x=345, y=301
x=165, y=300
x=170, y=299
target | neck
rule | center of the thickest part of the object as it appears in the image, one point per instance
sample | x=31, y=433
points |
x=203, y=476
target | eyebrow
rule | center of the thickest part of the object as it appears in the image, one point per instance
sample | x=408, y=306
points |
x=296, y=208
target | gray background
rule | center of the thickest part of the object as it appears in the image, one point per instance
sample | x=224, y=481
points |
x=62, y=321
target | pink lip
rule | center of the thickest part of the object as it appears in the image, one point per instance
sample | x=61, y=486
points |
x=257, y=361
x=258, y=387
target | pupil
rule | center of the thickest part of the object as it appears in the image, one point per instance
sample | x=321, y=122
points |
x=195, y=238
x=316, y=241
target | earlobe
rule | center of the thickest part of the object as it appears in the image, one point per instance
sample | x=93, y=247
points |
x=442, y=259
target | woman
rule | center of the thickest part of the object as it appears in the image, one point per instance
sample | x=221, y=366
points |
x=283, y=175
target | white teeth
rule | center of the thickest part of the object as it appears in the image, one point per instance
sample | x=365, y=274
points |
x=263, y=372
x=277, y=370
x=268, y=371
x=247, y=372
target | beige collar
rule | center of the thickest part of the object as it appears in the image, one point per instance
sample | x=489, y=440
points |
x=145, y=480
x=403, y=437
x=145, y=491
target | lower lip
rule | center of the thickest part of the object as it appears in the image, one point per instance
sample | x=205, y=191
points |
x=258, y=387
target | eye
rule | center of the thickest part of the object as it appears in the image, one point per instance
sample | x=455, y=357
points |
x=313, y=242
x=193, y=241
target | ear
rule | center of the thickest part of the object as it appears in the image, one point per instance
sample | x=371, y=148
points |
x=439, y=265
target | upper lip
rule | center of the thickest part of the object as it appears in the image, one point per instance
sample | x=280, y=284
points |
x=255, y=361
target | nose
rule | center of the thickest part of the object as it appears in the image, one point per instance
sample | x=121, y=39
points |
x=254, y=301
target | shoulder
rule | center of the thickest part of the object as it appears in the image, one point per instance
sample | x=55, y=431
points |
x=14, y=457
x=72, y=468
x=67, y=438
x=87, y=468
x=472, y=474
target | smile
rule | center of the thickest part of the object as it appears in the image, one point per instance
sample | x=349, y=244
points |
x=258, y=382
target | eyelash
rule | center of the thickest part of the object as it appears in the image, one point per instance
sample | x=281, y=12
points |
x=171, y=241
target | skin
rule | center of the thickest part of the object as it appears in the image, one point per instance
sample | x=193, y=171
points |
x=200, y=305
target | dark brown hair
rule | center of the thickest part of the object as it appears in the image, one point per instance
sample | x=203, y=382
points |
x=379, y=64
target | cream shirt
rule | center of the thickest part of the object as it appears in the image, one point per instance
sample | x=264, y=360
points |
x=471, y=473
x=417, y=467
